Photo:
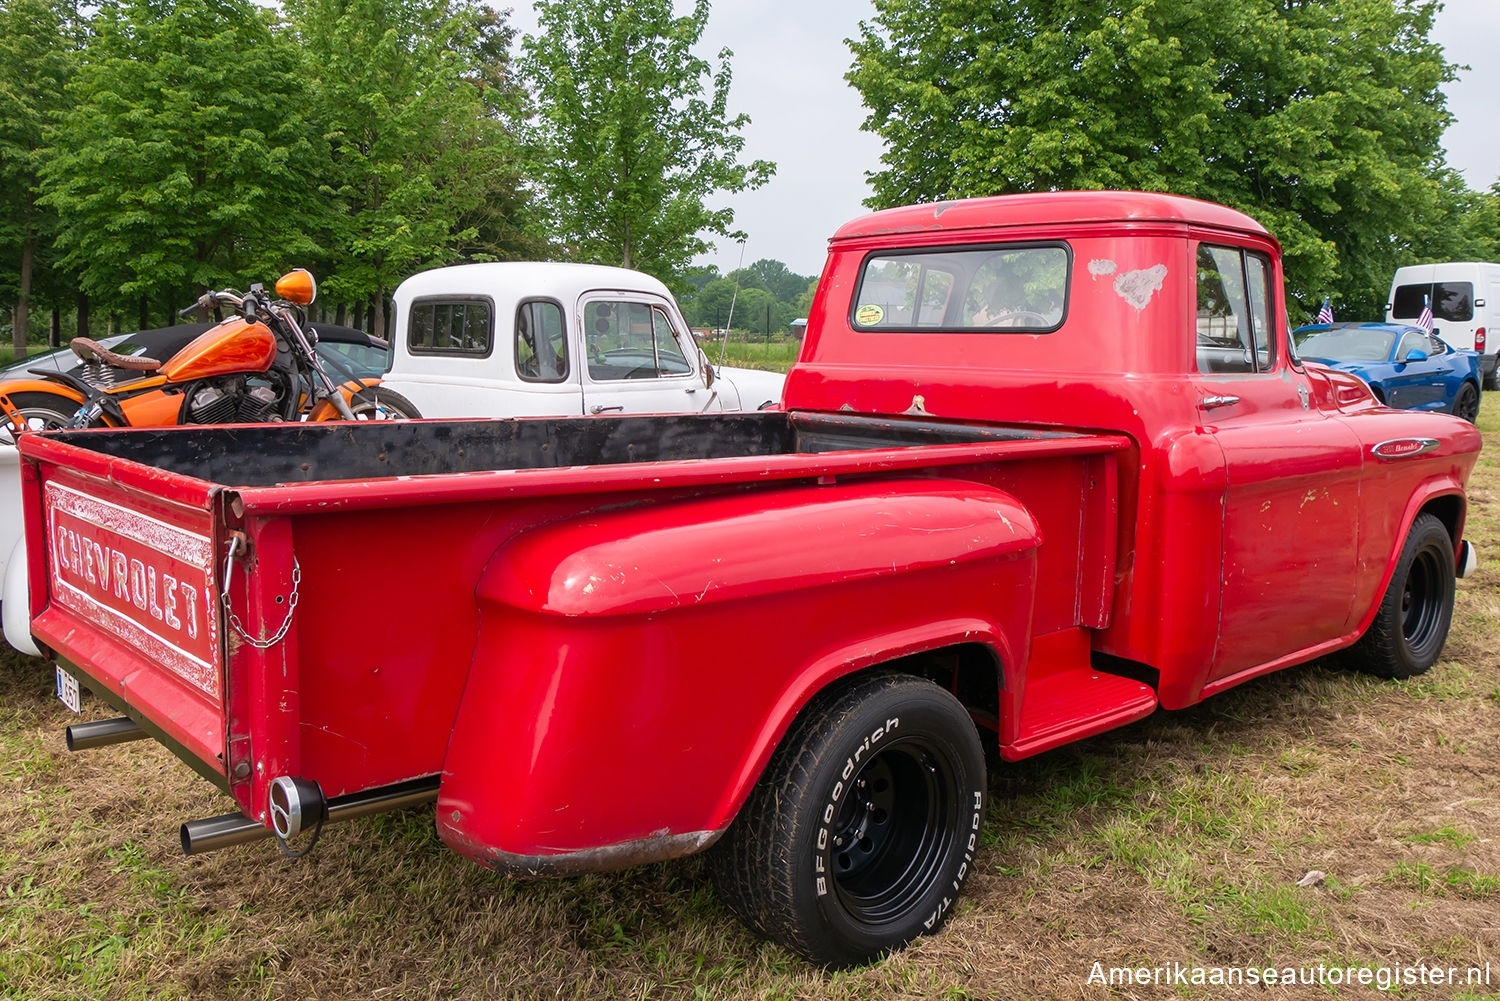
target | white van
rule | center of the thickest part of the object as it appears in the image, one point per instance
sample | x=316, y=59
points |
x=1465, y=298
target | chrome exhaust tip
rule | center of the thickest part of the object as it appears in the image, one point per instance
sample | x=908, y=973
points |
x=296, y=805
x=101, y=733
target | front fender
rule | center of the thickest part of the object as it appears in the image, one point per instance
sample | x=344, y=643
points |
x=326, y=411
x=636, y=668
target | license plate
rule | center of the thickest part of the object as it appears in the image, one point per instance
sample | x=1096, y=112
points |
x=67, y=691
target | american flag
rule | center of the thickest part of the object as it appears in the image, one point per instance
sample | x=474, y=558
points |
x=1325, y=312
x=1424, y=318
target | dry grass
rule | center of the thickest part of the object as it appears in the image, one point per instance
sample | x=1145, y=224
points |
x=1177, y=839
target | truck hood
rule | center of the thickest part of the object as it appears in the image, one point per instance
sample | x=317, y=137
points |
x=755, y=388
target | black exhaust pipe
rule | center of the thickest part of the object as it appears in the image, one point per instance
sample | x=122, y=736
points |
x=213, y=833
x=102, y=733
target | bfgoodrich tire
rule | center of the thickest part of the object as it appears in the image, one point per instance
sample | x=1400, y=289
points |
x=865, y=825
x=1411, y=624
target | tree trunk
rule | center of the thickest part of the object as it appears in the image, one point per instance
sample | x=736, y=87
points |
x=359, y=316
x=144, y=313
x=54, y=336
x=339, y=315
x=378, y=327
x=23, y=300
x=83, y=314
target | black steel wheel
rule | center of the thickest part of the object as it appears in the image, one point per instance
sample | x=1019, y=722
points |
x=41, y=411
x=861, y=832
x=1411, y=622
x=1467, y=404
x=377, y=403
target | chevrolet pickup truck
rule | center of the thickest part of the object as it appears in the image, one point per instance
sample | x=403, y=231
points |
x=1047, y=464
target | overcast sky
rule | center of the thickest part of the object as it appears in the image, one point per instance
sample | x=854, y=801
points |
x=789, y=64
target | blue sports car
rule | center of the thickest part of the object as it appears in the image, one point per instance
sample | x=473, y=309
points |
x=1406, y=367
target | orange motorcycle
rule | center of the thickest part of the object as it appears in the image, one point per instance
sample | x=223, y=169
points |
x=260, y=365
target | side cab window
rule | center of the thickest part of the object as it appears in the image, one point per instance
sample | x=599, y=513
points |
x=1235, y=321
x=631, y=340
x=541, y=342
x=1412, y=340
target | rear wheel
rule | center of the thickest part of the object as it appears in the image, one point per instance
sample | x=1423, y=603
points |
x=1467, y=404
x=377, y=403
x=1411, y=624
x=40, y=411
x=861, y=832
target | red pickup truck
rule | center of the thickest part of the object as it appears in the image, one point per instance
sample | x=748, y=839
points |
x=1047, y=463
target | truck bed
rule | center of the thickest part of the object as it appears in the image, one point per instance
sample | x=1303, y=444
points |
x=272, y=455
x=343, y=647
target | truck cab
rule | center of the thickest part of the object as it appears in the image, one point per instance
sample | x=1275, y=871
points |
x=552, y=340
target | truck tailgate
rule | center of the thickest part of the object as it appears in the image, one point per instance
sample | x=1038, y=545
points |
x=130, y=597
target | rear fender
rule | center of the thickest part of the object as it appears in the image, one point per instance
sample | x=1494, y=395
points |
x=13, y=386
x=636, y=668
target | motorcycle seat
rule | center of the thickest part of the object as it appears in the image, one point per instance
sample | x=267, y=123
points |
x=90, y=350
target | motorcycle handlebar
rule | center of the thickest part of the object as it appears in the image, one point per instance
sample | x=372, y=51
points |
x=208, y=301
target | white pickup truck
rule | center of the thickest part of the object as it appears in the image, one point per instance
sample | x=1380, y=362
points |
x=524, y=339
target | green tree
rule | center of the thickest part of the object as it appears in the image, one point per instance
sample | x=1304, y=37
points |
x=779, y=279
x=710, y=306
x=412, y=95
x=38, y=45
x=184, y=159
x=628, y=147
x=1322, y=120
x=502, y=212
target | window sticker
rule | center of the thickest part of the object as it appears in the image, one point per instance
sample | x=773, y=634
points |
x=869, y=315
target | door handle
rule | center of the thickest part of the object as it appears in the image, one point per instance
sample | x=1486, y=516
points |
x=1214, y=402
x=601, y=408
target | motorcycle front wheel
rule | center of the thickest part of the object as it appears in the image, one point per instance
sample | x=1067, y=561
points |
x=377, y=403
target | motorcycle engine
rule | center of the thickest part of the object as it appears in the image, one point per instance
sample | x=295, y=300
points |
x=235, y=399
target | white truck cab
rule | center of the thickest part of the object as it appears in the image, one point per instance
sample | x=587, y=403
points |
x=522, y=339
x=1465, y=299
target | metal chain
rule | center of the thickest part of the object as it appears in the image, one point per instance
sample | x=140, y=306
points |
x=234, y=620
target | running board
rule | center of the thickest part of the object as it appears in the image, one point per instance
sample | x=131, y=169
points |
x=1076, y=703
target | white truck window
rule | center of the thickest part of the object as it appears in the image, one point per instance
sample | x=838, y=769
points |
x=631, y=340
x=541, y=342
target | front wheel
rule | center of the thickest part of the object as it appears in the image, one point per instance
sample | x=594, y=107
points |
x=1467, y=403
x=1411, y=623
x=377, y=403
x=860, y=834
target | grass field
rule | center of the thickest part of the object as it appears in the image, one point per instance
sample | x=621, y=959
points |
x=776, y=356
x=1177, y=839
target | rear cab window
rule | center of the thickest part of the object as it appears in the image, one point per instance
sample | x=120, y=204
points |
x=459, y=325
x=991, y=289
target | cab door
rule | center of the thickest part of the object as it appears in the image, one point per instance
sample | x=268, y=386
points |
x=638, y=357
x=1292, y=472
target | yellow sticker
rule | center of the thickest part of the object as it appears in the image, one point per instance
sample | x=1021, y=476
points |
x=869, y=315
